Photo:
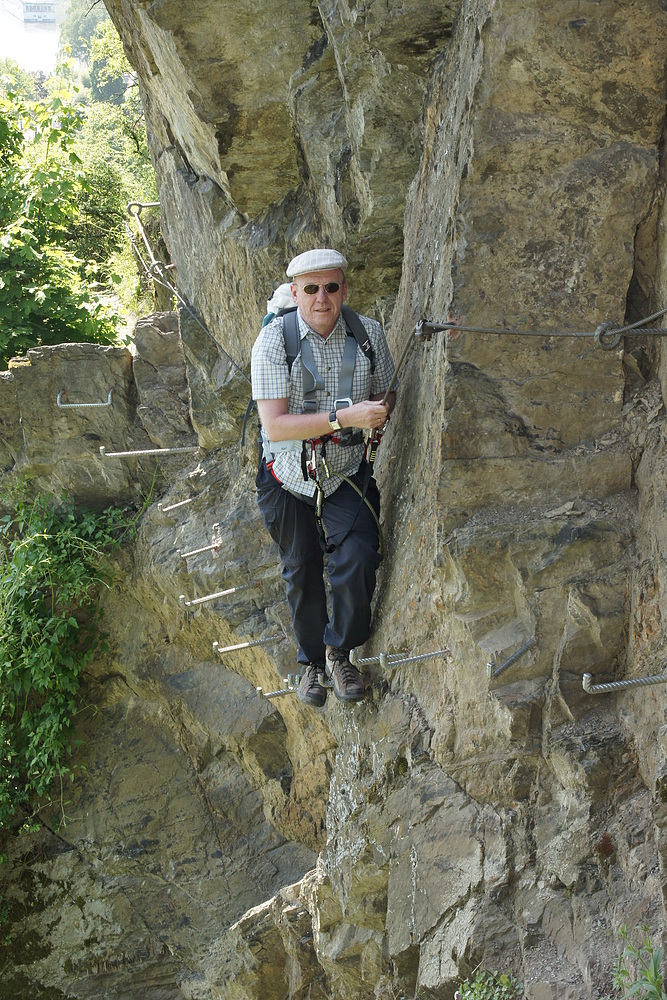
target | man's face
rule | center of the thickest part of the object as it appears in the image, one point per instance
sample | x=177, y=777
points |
x=322, y=309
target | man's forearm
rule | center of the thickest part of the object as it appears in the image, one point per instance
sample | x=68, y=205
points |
x=282, y=426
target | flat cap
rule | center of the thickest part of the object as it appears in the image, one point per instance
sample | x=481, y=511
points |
x=316, y=260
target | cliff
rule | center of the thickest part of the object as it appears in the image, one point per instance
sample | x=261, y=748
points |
x=498, y=160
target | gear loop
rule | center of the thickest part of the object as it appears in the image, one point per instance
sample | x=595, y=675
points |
x=607, y=336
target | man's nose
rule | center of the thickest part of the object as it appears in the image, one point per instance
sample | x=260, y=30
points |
x=321, y=294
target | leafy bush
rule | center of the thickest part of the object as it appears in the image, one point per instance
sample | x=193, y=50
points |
x=53, y=563
x=490, y=986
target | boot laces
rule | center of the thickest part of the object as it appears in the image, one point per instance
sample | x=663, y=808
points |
x=339, y=660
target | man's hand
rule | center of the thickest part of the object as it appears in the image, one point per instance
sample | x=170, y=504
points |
x=368, y=415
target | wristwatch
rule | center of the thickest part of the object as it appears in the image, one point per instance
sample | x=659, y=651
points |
x=333, y=422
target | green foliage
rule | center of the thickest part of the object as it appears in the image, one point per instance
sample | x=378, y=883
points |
x=69, y=165
x=46, y=296
x=490, y=986
x=79, y=23
x=13, y=78
x=638, y=972
x=53, y=562
x=109, y=68
x=117, y=170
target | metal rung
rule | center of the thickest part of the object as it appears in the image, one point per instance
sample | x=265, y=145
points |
x=213, y=597
x=248, y=645
x=393, y=659
x=144, y=451
x=494, y=671
x=173, y=506
x=205, y=548
x=590, y=688
x=80, y=406
x=291, y=683
x=196, y=552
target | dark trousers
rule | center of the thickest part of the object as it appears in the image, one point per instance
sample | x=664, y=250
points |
x=353, y=540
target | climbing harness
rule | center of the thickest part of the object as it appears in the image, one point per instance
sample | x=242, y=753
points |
x=319, y=494
x=372, y=441
x=295, y=345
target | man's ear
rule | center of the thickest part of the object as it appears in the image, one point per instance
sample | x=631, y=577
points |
x=344, y=291
x=293, y=290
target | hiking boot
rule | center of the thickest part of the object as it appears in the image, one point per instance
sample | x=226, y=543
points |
x=347, y=682
x=310, y=690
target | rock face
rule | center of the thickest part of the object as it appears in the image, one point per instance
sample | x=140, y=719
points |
x=501, y=161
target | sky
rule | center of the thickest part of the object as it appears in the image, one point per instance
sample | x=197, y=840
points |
x=32, y=46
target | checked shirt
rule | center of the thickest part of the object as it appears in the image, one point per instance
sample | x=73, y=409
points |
x=271, y=379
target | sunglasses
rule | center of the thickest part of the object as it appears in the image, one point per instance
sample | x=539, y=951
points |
x=330, y=288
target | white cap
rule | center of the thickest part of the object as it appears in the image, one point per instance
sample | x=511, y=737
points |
x=281, y=299
x=316, y=260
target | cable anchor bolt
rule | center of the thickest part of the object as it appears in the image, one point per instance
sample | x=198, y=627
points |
x=607, y=337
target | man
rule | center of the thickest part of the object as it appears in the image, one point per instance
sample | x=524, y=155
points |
x=314, y=489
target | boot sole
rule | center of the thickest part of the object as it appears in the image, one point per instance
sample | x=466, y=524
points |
x=349, y=697
x=315, y=702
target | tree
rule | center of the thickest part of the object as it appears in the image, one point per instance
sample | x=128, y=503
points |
x=46, y=295
x=79, y=23
x=13, y=78
x=109, y=69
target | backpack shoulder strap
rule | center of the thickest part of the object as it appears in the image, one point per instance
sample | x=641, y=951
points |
x=291, y=335
x=312, y=381
x=358, y=329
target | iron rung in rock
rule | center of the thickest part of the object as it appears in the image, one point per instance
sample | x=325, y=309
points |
x=248, y=645
x=630, y=682
x=145, y=451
